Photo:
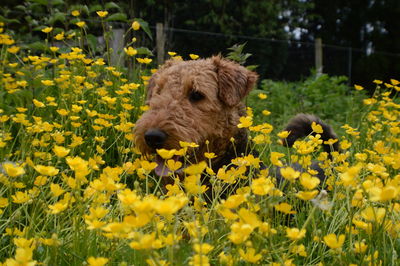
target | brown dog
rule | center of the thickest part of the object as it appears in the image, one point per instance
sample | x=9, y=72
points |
x=196, y=101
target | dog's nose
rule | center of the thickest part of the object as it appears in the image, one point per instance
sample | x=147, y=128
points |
x=155, y=138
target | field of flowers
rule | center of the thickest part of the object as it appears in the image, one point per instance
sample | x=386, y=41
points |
x=74, y=189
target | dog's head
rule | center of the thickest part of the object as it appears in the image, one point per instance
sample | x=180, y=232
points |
x=198, y=101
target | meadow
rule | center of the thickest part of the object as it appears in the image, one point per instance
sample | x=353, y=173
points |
x=75, y=190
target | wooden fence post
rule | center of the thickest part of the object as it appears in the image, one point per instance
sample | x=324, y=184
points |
x=318, y=56
x=117, y=45
x=160, y=42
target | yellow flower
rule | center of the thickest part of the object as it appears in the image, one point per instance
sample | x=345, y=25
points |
x=202, y=248
x=245, y=121
x=210, y=155
x=23, y=256
x=331, y=141
x=75, y=13
x=59, y=36
x=307, y=195
x=358, y=87
x=172, y=53
x=184, y=144
x=46, y=170
x=345, y=144
x=173, y=165
x=193, y=185
x=147, y=166
x=266, y=112
x=3, y=202
x=166, y=154
x=13, y=49
x=262, y=186
x=250, y=255
x=233, y=201
x=283, y=134
x=20, y=197
x=80, y=24
x=295, y=234
x=38, y=104
x=62, y=112
x=383, y=194
x=262, y=96
x=170, y=205
x=135, y=25
x=144, y=60
x=349, y=176
x=285, y=208
x=56, y=189
x=47, y=82
x=12, y=169
x=309, y=182
x=54, y=49
x=275, y=156
x=147, y=241
x=299, y=249
x=23, y=242
x=289, y=173
x=40, y=181
x=196, y=169
x=47, y=29
x=130, y=51
x=60, y=151
x=360, y=247
x=317, y=128
x=58, y=207
x=102, y=14
x=99, y=261
x=193, y=56
x=333, y=241
x=373, y=214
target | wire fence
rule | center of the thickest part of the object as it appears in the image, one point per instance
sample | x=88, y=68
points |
x=289, y=60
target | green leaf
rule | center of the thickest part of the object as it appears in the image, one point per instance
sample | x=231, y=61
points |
x=117, y=17
x=85, y=9
x=95, y=8
x=57, y=30
x=92, y=41
x=20, y=7
x=39, y=28
x=144, y=51
x=145, y=26
x=37, y=46
x=42, y=2
x=8, y=21
x=73, y=21
x=57, y=2
x=57, y=17
x=252, y=67
x=111, y=5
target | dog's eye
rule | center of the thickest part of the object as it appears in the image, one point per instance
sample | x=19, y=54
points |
x=195, y=96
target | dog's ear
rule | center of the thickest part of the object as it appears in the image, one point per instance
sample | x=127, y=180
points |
x=234, y=81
